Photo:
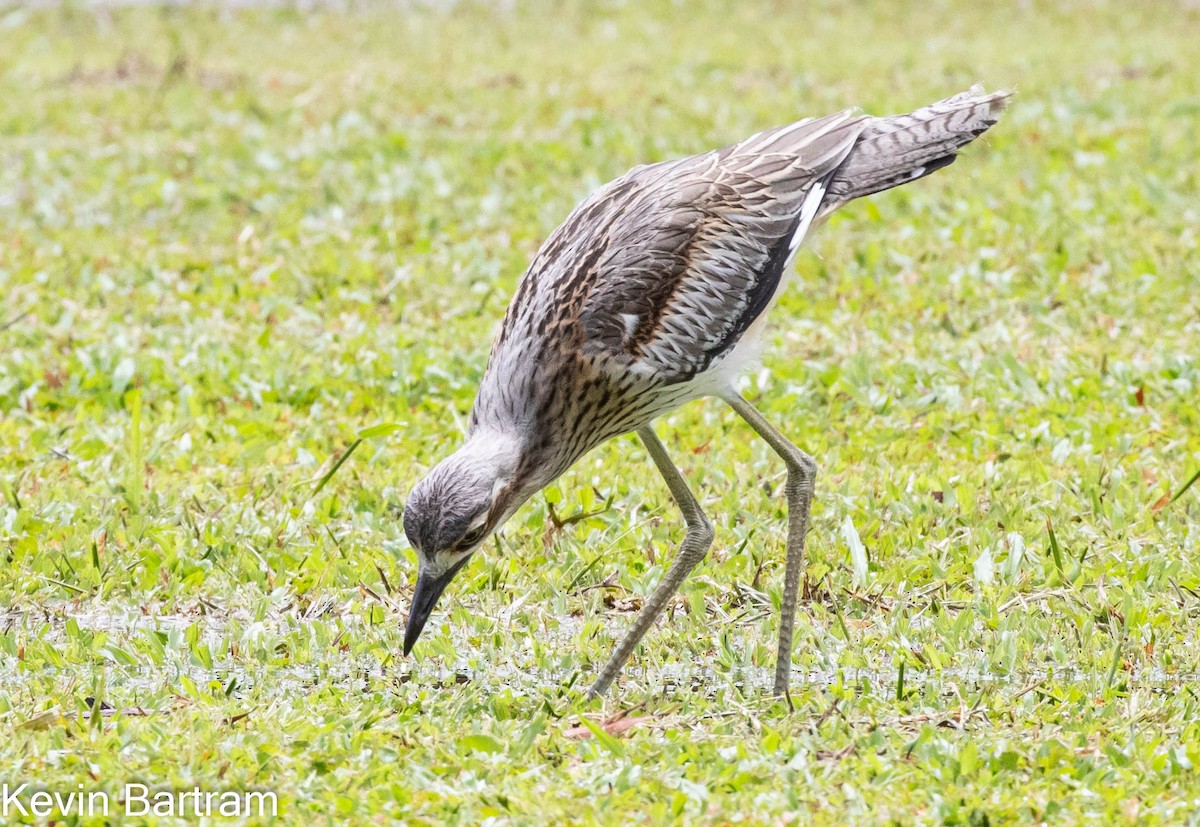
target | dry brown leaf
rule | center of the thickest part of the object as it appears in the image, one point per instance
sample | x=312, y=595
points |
x=613, y=726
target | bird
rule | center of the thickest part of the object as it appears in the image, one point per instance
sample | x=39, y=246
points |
x=654, y=292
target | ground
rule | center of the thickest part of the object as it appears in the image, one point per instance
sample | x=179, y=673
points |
x=236, y=242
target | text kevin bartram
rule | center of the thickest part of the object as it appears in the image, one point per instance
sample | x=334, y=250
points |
x=133, y=799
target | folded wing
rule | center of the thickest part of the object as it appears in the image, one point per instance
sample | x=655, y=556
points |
x=694, y=250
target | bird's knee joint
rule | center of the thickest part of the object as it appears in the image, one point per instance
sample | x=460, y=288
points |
x=702, y=530
x=804, y=465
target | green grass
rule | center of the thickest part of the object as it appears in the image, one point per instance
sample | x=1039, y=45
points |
x=233, y=241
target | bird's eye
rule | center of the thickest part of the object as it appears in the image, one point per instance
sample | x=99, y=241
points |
x=472, y=537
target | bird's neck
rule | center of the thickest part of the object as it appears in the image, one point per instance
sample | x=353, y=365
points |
x=498, y=451
x=522, y=460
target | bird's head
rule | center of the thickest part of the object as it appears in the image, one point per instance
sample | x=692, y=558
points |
x=451, y=512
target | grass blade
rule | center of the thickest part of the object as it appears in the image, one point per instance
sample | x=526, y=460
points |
x=1054, y=549
x=858, y=552
x=366, y=433
x=329, y=474
x=134, y=494
x=1186, y=486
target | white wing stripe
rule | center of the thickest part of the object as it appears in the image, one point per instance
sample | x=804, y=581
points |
x=808, y=211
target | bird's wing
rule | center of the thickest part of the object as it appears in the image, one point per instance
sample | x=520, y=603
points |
x=670, y=264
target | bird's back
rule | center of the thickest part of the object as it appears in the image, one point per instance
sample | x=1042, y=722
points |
x=654, y=279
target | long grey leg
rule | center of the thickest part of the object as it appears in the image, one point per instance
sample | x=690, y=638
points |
x=695, y=545
x=801, y=479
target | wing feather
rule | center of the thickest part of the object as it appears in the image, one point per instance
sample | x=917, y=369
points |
x=697, y=248
x=658, y=275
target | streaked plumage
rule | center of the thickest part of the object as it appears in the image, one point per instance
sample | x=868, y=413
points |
x=652, y=293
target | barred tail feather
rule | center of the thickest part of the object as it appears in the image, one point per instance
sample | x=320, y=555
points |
x=895, y=150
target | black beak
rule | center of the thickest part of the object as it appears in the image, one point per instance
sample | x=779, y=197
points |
x=425, y=597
